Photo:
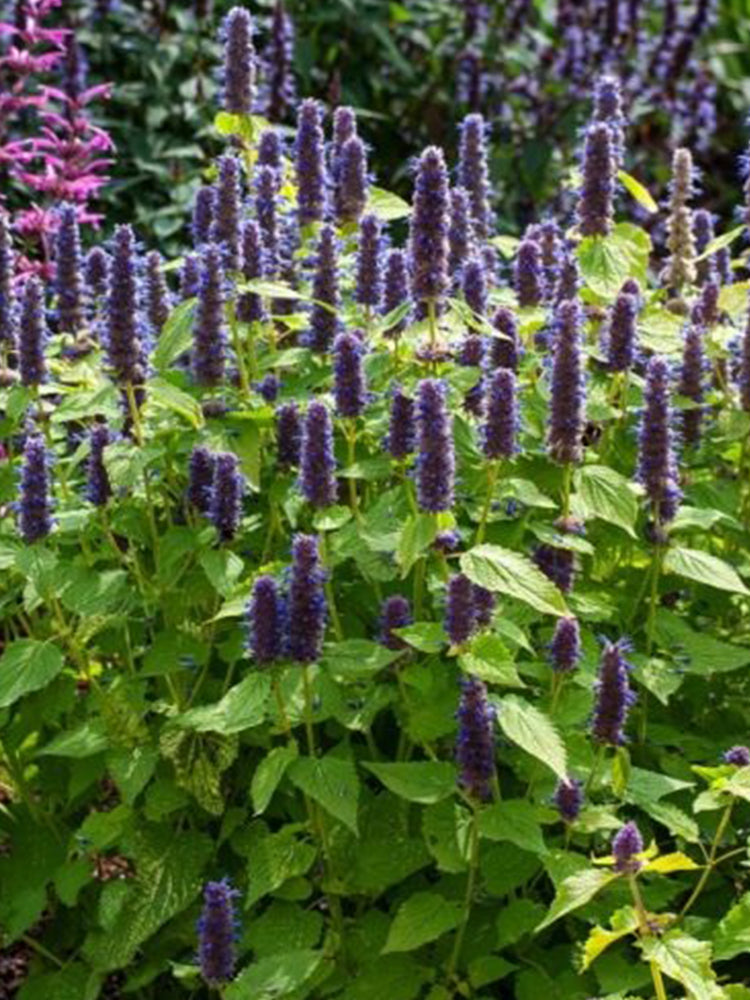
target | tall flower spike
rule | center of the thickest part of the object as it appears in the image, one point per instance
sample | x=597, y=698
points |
x=568, y=799
x=622, y=333
x=557, y=564
x=475, y=749
x=239, y=62
x=350, y=192
x=614, y=698
x=626, y=844
x=226, y=224
x=528, y=278
x=249, y=304
x=596, y=195
x=484, y=605
x=7, y=270
x=68, y=279
x=32, y=334
x=344, y=129
x=474, y=286
x=307, y=604
x=369, y=284
x=270, y=150
x=657, y=466
x=204, y=209
x=401, y=429
x=209, y=336
x=123, y=344
x=504, y=351
x=394, y=613
x=744, y=377
x=266, y=619
x=680, y=268
x=501, y=425
x=98, y=487
x=309, y=151
x=279, y=64
x=96, y=274
x=325, y=293
x=703, y=232
x=157, y=295
x=201, y=478
x=436, y=461
x=395, y=288
x=569, y=282
x=267, y=185
x=552, y=251
x=565, y=647
x=34, y=506
x=691, y=383
x=190, y=276
x=608, y=109
x=428, y=233
x=460, y=237
x=216, y=933
x=460, y=617
x=317, y=464
x=473, y=173
x=288, y=435
x=567, y=401
x=225, y=510
x=349, y=389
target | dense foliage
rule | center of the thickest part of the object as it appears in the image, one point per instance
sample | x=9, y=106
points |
x=375, y=601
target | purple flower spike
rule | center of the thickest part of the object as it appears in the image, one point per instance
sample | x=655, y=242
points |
x=690, y=384
x=622, y=333
x=396, y=288
x=96, y=274
x=249, y=305
x=279, y=59
x=474, y=286
x=68, y=281
x=552, y=251
x=307, y=604
x=436, y=461
x=226, y=225
x=505, y=350
x=98, y=487
x=460, y=236
x=394, y=613
x=557, y=564
x=270, y=150
x=32, y=334
x=309, y=151
x=597, y=192
x=626, y=844
x=703, y=232
x=7, y=270
x=349, y=389
x=266, y=192
x=471, y=351
x=428, y=233
x=216, y=932
x=204, y=210
x=401, y=429
x=568, y=398
x=201, y=478
x=706, y=310
x=266, y=618
x=569, y=282
x=190, y=277
x=473, y=173
x=739, y=756
x=484, y=606
x=680, y=269
x=657, y=466
x=158, y=299
x=613, y=696
x=35, y=507
x=239, y=62
x=225, y=509
x=565, y=647
x=608, y=109
x=344, y=129
x=288, y=435
x=460, y=613
x=369, y=285
x=209, y=336
x=568, y=799
x=350, y=193
x=528, y=276
x=475, y=749
x=325, y=292
x=501, y=425
x=124, y=348
x=318, y=465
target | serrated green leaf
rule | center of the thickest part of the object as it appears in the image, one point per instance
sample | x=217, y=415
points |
x=702, y=567
x=274, y=858
x=268, y=774
x=332, y=782
x=176, y=336
x=417, y=781
x=623, y=922
x=732, y=935
x=719, y=242
x=514, y=820
x=164, y=395
x=507, y=572
x=387, y=206
x=241, y=708
x=684, y=959
x=608, y=495
x=638, y=191
x=533, y=731
x=576, y=891
x=27, y=665
x=422, y=918
x=488, y=658
x=275, y=976
x=354, y=659
x=606, y=262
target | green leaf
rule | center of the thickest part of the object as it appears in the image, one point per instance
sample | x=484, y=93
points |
x=84, y=741
x=488, y=659
x=199, y=760
x=514, y=820
x=638, y=191
x=607, y=261
x=427, y=637
x=268, y=774
x=623, y=922
x=241, y=708
x=719, y=242
x=699, y=653
x=732, y=935
x=422, y=918
x=608, y=495
x=274, y=858
x=275, y=976
x=424, y=781
x=164, y=395
x=416, y=537
x=576, y=891
x=666, y=864
x=387, y=206
x=354, y=659
x=507, y=572
x=176, y=337
x=222, y=568
x=332, y=782
x=704, y=568
x=270, y=289
x=27, y=665
x=534, y=732
x=676, y=821
x=684, y=959
x=507, y=245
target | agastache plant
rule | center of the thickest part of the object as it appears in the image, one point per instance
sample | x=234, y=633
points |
x=216, y=934
x=227, y=488
x=460, y=236
x=657, y=465
x=32, y=334
x=428, y=232
x=317, y=462
x=350, y=192
x=528, y=277
x=266, y=618
x=614, y=697
x=436, y=461
x=568, y=400
x=34, y=501
x=349, y=389
x=460, y=617
x=239, y=62
x=596, y=195
x=475, y=748
x=395, y=288
x=369, y=287
x=680, y=268
x=209, y=334
x=501, y=422
x=200, y=478
x=69, y=277
x=307, y=609
x=395, y=613
x=401, y=425
x=123, y=332
x=325, y=292
x=98, y=486
x=473, y=173
x=309, y=155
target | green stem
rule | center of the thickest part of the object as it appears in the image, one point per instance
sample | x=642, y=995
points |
x=350, y=431
x=237, y=345
x=598, y=759
x=328, y=587
x=469, y=897
x=432, y=323
x=493, y=470
x=309, y=728
x=419, y=572
x=135, y=413
x=710, y=864
x=645, y=931
x=566, y=484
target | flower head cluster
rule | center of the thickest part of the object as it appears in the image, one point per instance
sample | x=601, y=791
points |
x=690, y=384
x=475, y=748
x=288, y=435
x=34, y=503
x=317, y=477
x=598, y=186
x=350, y=179
x=401, y=427
x=568, y=799
x=622, y=333
x=325, y=293
x=225, y=507
x=473, y=173
x=32, y=334
x=528, y=276
x=201, y=478
x=505, y=350
x=738, y=755
x=501, y=425
x=680, y=268
x=279, y=59
x=7, y=269
x=369, y=286
x=568, y=400
x=225, y=228
x=239, y=62
x=614, y=697
x=216, y=934
x=657, y=465
x=157, y=295
x=460, y=235
x=428, y=233
x=124, y=348
x=69, y=283
x=266, y=618
x=627, y=843
x=565, y=647
x=209, y=334
x=98, y=486
x=395, y=288
x=394, y=613
x=307, y=609
x=309, y=152
x=349, y=389
x=436, y=461
x=460, y=617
